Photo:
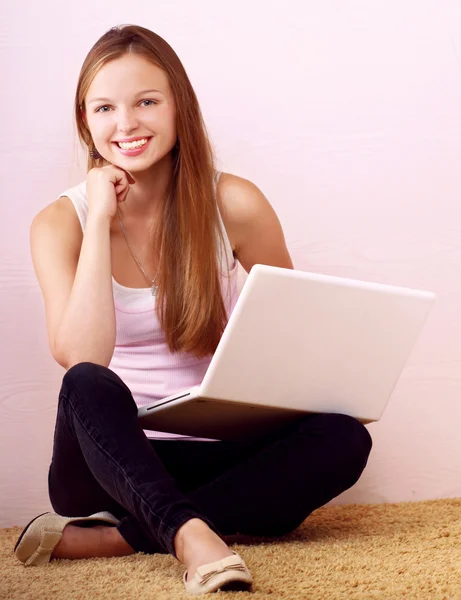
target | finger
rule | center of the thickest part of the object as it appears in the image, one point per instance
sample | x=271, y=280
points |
x=120, y=189
x=121, y=197
x=122, y=175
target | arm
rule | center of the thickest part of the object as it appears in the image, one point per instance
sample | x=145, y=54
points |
x=74, y=274
x=252, y=225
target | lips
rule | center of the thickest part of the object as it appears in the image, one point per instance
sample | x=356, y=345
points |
x=133, y=151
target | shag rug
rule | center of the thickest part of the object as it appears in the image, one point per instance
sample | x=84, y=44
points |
x=399, y=551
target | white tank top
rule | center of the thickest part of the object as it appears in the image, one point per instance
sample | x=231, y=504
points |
x=141, y=356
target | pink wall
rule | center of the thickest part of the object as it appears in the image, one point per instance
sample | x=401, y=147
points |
x=346, y=114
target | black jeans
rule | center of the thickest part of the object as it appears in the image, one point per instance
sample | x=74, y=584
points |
x=102, y=460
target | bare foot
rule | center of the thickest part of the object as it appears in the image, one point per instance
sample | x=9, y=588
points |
x=196, y=545
x=91, y=542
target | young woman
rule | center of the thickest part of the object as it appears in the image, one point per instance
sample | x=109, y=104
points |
x=137, y=266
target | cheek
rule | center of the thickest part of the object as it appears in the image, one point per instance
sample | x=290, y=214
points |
x=96, y=128
x=165, y=121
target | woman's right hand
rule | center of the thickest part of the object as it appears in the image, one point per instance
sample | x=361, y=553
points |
x=105, y=188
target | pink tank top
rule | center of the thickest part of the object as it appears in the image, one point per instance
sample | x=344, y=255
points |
x=141, y=356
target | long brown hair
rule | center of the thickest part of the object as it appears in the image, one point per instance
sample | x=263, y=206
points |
x=189, y=300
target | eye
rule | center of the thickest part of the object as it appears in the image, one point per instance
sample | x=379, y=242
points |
x=100, y=109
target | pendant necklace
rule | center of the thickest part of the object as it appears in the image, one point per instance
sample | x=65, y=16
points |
x=154, y=287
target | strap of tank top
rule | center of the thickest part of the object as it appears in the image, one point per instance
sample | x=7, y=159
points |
x=227, y=245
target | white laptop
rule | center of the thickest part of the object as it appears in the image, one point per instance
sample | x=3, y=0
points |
x=298, y=343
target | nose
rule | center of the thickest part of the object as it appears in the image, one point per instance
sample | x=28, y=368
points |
x=126, y=120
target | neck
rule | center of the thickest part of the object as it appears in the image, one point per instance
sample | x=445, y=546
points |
x=150, y=191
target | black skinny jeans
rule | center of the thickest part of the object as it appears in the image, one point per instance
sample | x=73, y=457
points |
x=102, y=460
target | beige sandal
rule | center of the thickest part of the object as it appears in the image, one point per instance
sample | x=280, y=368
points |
x=230, y=573
x=41, y=536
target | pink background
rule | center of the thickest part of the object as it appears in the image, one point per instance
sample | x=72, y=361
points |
x=346, y=114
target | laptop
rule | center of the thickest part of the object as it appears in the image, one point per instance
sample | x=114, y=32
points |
x=298, y=343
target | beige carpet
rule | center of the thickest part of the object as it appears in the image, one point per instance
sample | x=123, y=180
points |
x=388, y=552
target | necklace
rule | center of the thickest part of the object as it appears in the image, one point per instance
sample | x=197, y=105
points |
x=152, y=281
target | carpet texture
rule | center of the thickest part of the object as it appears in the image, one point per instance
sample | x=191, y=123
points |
x=400, y=551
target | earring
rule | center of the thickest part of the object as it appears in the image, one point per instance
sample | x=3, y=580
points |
x=95, y=154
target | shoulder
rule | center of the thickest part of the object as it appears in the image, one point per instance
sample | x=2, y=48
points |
x=57, y=211
x=58, y=218
x=239, y=198
x=240, y=202
x=251, y=223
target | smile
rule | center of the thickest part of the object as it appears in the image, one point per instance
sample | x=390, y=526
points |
x=133, y=148
x=135, y=144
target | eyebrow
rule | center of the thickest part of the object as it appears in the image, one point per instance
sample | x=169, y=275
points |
x=108, y=99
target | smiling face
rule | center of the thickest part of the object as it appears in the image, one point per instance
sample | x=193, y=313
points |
x=130, y=112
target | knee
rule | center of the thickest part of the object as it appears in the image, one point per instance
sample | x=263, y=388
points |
x=79, y=379
x=83, y=371
x=94, y=381
x=348, y=441
x=354, y=433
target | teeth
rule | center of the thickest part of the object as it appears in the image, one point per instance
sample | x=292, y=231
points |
x=130, y=145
